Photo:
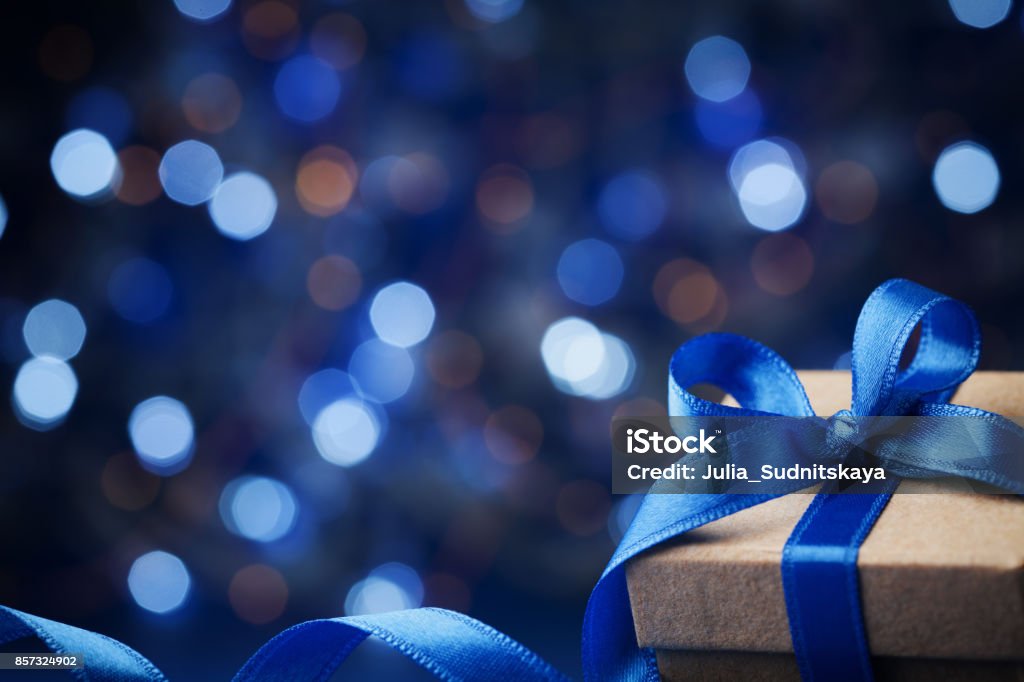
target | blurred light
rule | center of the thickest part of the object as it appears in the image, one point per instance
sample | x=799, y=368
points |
x=769, y=188
x=3, y=216
x=84, y=164
x=590, y=271
x=418, y=183
x=140, y=290
x=731, y=123
x=258, y=508
x=212, y=103
x=307, y=89
x=202, y=10
x=258, y=594
x=243, y=206
x=270, y=30
x=402, y=314
x=633, y=205
x=390, y=587
x=321, y=389
x=687, y=292
x=847, y=192
x=454, y=359
x=493, y=11
x=162, y=434
x=980, y=13
x=65, y=53
x=103, y=110
x=772, y=197
x=513, y=434
x=583, y=361
x=54, y=328
x=44, y=391
x=717, y=68
x=140, y=182
x=325, y=181
x=549, y=140
x=190, y=172
x=159, y=582
x=339, y=40
x=334, y=282
x=782, y=264
x=966, y=177
x=504, y=196
x=346, y=432
x=126, y=485
x=382, y=372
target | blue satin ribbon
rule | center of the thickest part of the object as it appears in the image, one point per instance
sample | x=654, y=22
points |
x=819, y=564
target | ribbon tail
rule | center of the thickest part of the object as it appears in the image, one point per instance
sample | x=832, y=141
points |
x=106, y=659
x=448, y=644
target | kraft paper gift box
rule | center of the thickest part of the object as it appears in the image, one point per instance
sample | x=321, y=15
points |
x=941, y=577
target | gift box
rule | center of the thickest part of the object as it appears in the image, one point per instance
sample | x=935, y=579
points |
x=941, y=577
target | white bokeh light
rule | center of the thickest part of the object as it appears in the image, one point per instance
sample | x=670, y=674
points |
x=772, y=197
x=162, y=434
x=159, y=582
x=717, y=68
x=980, y=13
x=243, y=206
x=258, y=508
x=966, y=177
x=190, y=172
x=346, y=432
x=54, y=328
x=84, y=164
x=402, y=314
x=583, y=361
x=390, y=587
x=44, y=391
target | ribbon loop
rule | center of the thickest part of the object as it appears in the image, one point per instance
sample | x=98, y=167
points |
x=947, y=351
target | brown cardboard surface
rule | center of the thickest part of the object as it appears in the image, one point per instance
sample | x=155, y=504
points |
x=942, y=576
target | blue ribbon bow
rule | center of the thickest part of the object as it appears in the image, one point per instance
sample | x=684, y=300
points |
x=819, y=563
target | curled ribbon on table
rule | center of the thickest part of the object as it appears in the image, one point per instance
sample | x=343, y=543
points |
x=819, y=563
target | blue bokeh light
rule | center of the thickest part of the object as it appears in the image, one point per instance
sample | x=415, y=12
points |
x=590, y=271
x=966, y=177
x=584, y=361
x=728, y=124
x=3, y=216
x=402, y=314
x=493, y=11
x=390, y=587
x=382, y=372
x=768, y=184
x=159, y=582
x=190, y=172
x=429, y=65
x=346, y=432
x=44, y=391
x=633, y=205
x=258, y=508
x=717, y=68
x=104, y=110
x=140, y=290
x=307, y=89
x=54, y=328
x=243, y=206
x=202, y=10
x=321, y=389
x=162, y=434
x=84, y=164
x=980, y=13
